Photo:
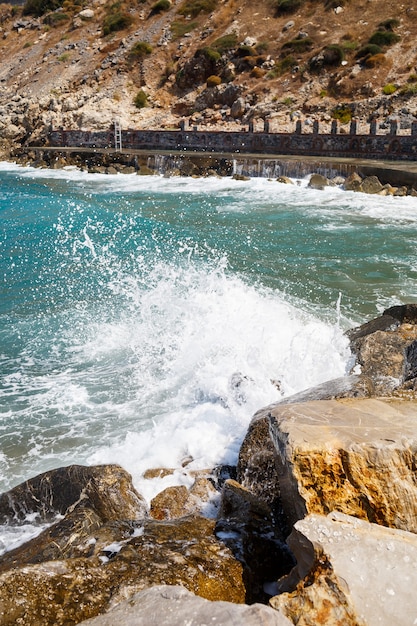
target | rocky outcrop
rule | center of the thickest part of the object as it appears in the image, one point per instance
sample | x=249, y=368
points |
x=349, y=572
x=105, y=489
x=175, y=606
x=355, y=456
x=246, y=524
x=119, y=559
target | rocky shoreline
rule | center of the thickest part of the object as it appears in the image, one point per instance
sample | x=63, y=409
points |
x=318, y=519
x=351, y=175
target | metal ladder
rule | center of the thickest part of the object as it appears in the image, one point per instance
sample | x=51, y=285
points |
x=117, y=136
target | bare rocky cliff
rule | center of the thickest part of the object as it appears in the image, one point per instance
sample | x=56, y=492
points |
x=81, y=64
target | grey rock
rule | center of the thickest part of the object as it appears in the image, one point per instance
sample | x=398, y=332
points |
x=175, y=606
x=355, y=572
x=317, y=181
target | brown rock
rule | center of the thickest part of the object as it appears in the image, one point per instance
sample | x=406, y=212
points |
x=126, y=557
x=371, y=184
x=317, y=181
x=353, y=182
x=356, y=456
x=170, y=503
x=106, y=489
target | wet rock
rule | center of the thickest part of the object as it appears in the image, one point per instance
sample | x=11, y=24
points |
x=349, y=572
x=371, y=184
x=106, y=489
x=285, y=179
x=170, y=503
x=353, y=182
x=124, y=558
x=317, y=181
x=175, y=606
x=258, y=466
x=245, y=523
x=356, y=456
x=386, y=347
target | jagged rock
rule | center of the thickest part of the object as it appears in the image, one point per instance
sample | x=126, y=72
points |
x=106, y=489
x=258, y=463
x=170, y=503
x=349, y=572
x=317, y=181
x=371, y=184
x=353, y=182
x=245, y=523
x=175, y=606
x=238, y=108
x=123, y=558
x=386, y=347
x=356, y=456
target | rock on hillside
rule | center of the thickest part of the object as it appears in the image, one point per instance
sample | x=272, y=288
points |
x=82, y=64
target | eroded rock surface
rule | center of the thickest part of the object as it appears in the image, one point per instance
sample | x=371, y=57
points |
x=357, y=456
x=105, y=489
x=121, y=558
x=349, y=572
x=175, y=606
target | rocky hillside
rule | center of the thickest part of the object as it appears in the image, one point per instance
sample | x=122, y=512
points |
x=83, y=63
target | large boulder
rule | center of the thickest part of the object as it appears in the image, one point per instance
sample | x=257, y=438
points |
x=175, y=606
x=105, y=489
x=386, y=348
x=349, y=572
x=356, y=456
x=120, y=559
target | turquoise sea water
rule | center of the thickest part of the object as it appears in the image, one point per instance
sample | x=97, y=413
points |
x=144, y=320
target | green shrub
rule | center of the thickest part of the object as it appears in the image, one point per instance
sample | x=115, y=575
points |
x=213, y=81
x=281, y=67
x=209, y=53
x=389, y=89
x=343, y=114
x=368, y=50
x=40, y=7
x=115, y=21
x=160, y=6
x=299, y=44
x=140, y=100
x=139, y=51
x=179, y=29
x=195, y=7
x=246, y=51
x=287, y=6
x=389, y=24
x=410, y=89
x=55, y=19
x=63, y=58
x=384, y=38
x=225, y=43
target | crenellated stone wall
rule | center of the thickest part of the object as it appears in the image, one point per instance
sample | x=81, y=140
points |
x=390, y=146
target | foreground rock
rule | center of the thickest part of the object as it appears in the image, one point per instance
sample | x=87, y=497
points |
x=121, y=558
x=349, y=572
x=175, y=606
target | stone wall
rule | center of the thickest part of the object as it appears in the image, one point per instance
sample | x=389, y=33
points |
x=391, y=146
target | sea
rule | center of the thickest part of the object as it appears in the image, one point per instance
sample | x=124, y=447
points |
x=145, y=319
